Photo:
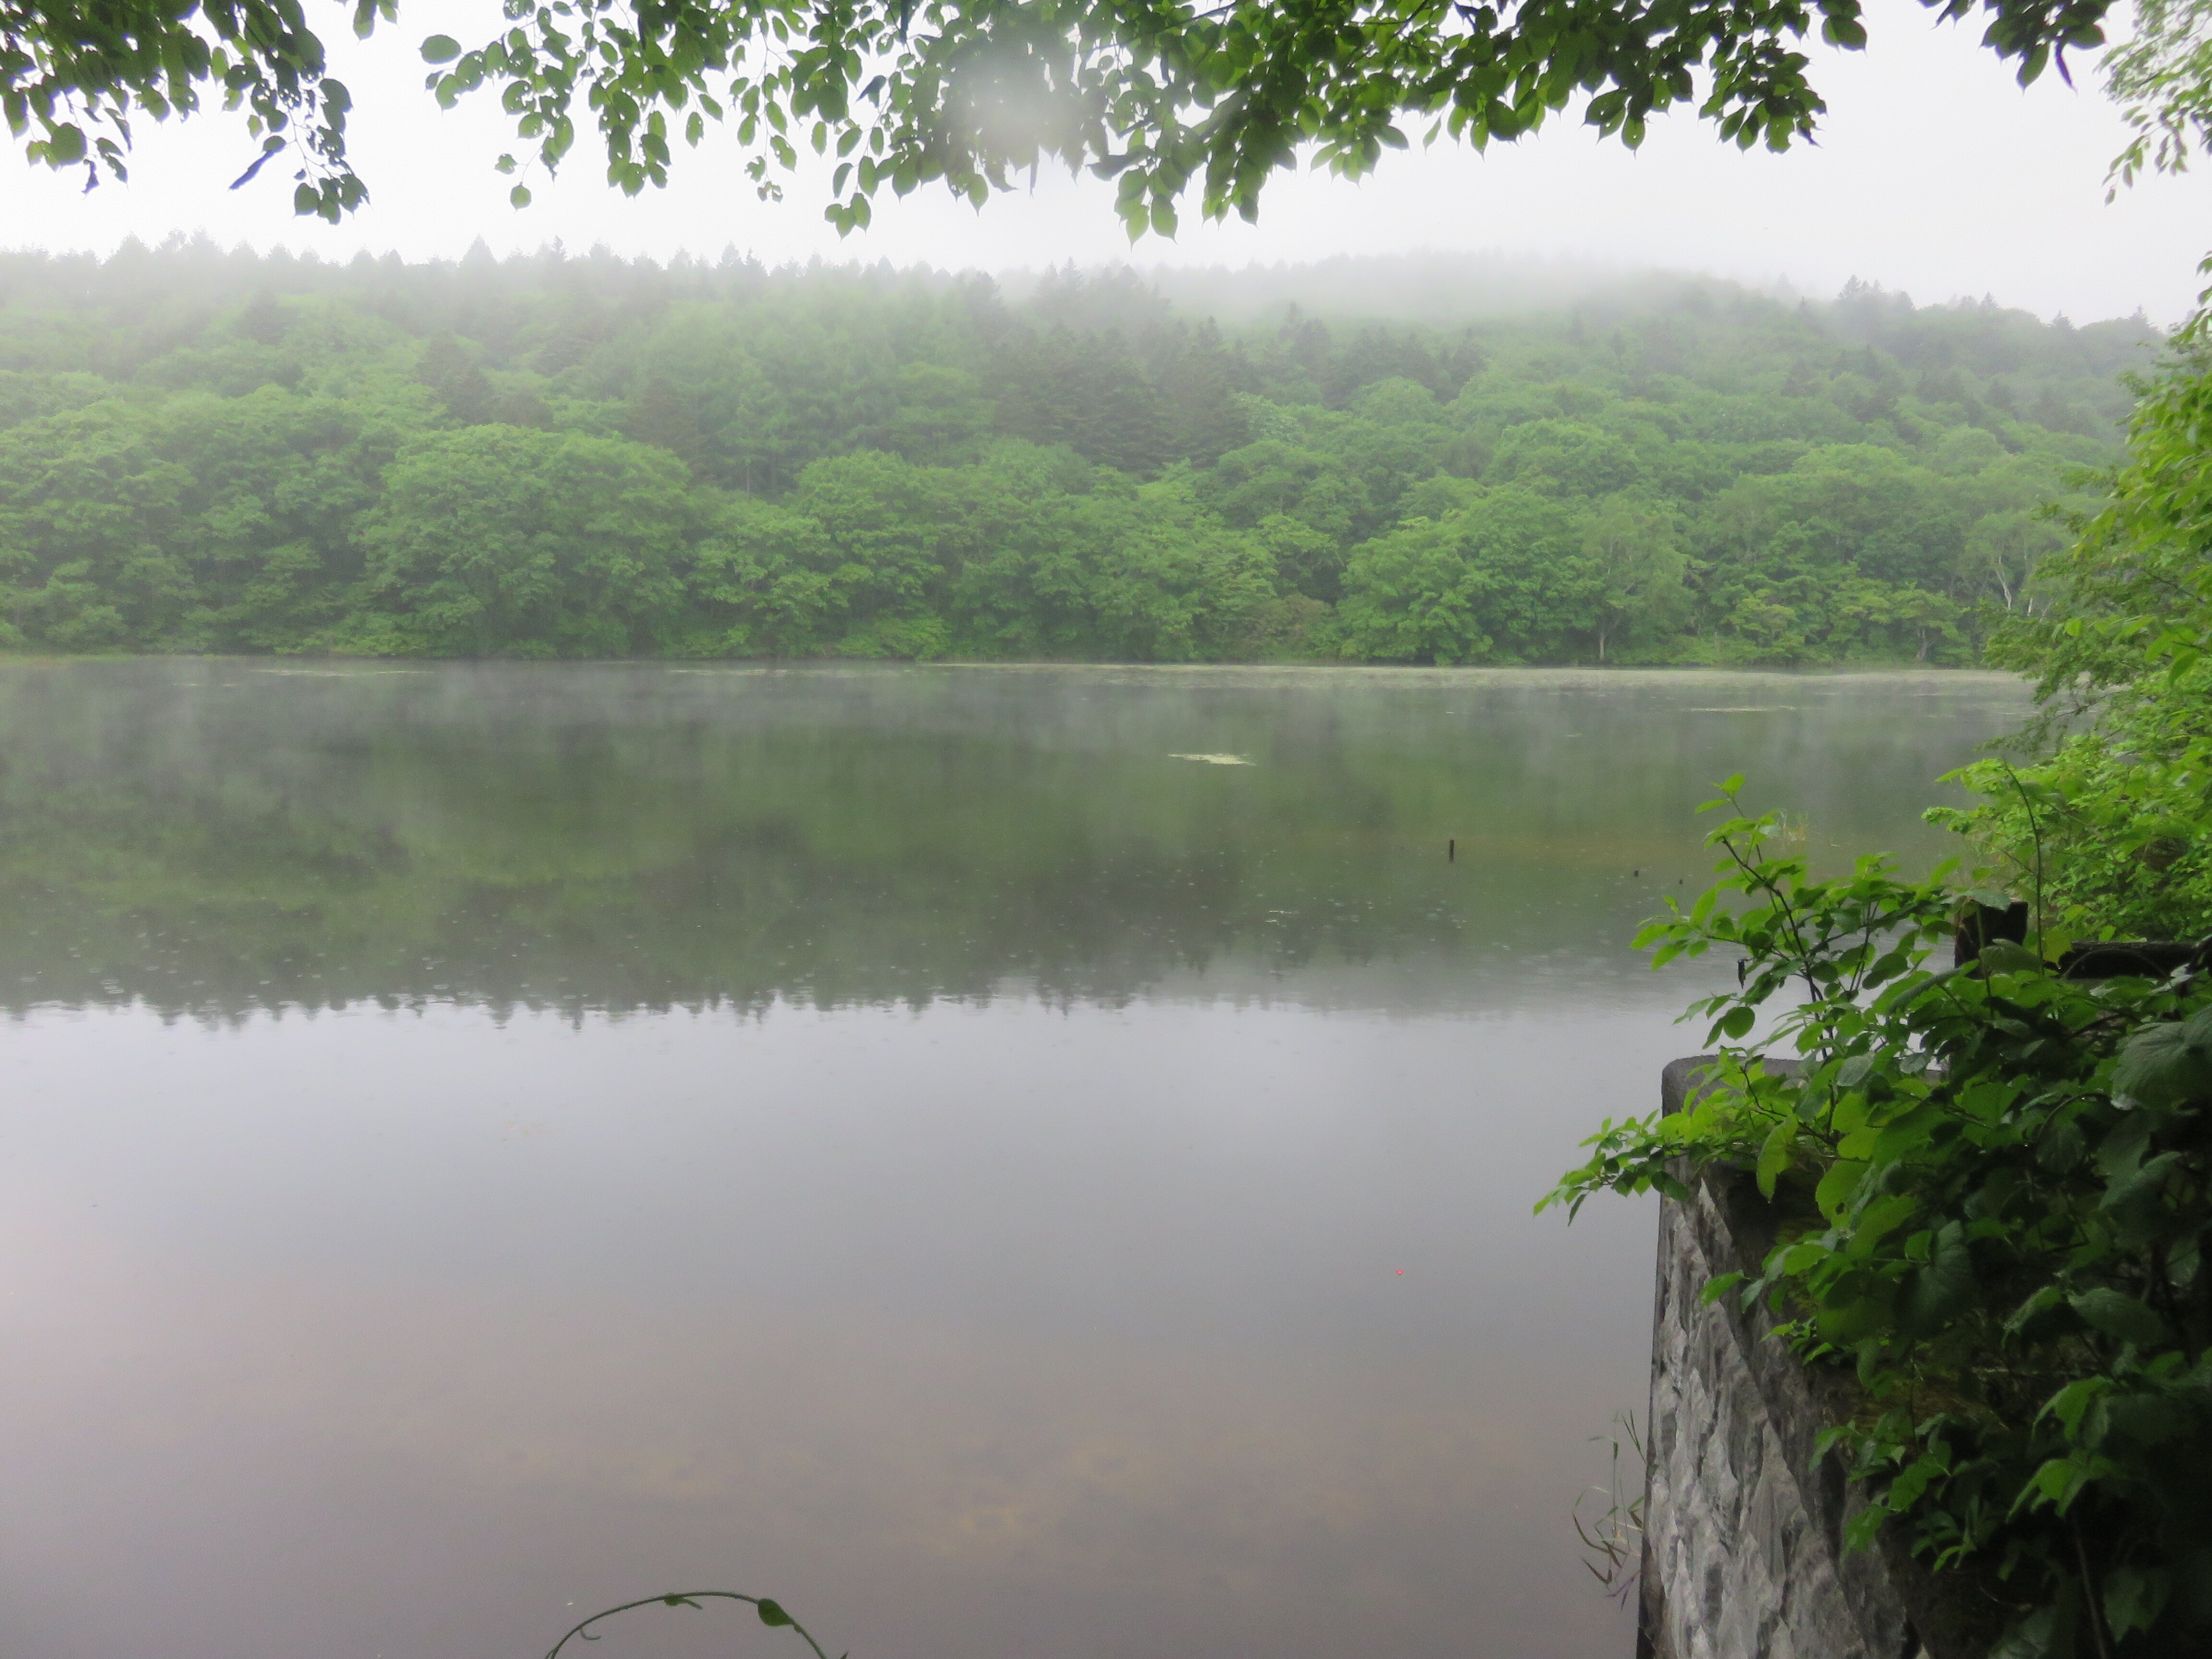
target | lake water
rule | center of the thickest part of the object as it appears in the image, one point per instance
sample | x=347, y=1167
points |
x=482, y=1143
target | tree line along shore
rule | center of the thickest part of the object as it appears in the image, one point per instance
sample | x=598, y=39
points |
x=558, y=456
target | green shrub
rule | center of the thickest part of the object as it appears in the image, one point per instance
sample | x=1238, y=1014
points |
x=1993, y=1183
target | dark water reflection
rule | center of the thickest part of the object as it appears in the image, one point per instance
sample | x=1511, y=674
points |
x=480, y=1140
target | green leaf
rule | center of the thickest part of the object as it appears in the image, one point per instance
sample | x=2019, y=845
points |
x=2041, y=1301
x=2133, y=1598
x=440, y=49
x=2061, y=1146
x=1838, y=1186
x=1861, y=1529
x=2035, y=1636
x=1944, y=1286
x=2119, y=1316
x=1775, y=1155
x=1883, y=1216
x=773, y=1615
x=2167, y=1065
x=1844, y=1321
x=2002, y=956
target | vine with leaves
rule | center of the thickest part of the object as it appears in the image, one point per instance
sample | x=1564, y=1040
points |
x=771, y=1614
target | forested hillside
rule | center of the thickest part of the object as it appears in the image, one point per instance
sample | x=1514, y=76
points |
x=202, y=451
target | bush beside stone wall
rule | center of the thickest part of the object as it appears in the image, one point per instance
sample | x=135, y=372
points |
x=1743, y=1555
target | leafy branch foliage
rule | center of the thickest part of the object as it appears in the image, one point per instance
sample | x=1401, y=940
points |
x=2115, y=814
x=1159, y=94
x=2161, y=77
x=74, y=75
x=1995, y=1186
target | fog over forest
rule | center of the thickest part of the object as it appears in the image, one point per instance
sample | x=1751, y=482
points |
x=1425, y=458
x=1430, y=287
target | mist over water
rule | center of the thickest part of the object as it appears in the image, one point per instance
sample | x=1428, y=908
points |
x=1006, y=1161
x=215, y=837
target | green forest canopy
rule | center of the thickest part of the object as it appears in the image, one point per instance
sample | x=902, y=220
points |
x=556, y=455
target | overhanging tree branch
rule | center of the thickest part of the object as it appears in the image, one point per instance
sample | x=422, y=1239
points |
x=1160, y=95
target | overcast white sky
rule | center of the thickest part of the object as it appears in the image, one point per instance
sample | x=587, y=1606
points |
x=1935, y=174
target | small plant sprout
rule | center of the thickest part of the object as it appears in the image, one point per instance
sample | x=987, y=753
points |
x=771, y=1615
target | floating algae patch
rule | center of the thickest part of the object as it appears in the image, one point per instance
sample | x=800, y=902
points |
x=1214, y=759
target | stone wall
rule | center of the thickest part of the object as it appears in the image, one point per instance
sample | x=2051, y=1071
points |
x=1743, y=1554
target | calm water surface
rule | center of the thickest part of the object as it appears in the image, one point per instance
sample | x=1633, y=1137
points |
x=480, y=1142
